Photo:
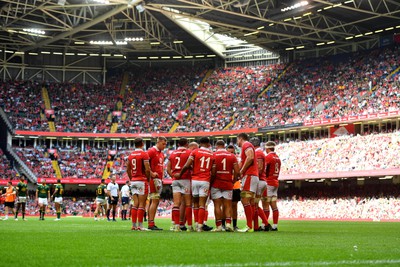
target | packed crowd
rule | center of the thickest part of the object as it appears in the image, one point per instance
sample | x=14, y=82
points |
x=84, y=107
x=86, y=164
x=346, y=153
x=22, y=102
x=355, y=84
x=157, y=97
x=351, y=84
x=6, y=170
x=37, y=159
x=375, y=208
x=226, y=94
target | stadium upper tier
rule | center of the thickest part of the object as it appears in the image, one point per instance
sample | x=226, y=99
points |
x=198, y=99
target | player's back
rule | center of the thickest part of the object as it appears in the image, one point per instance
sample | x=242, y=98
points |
x=178, y=159
x=100, y=193
x=224, y=165
x=260, y=155
x=252, y=170
x=273, y=168
x=136, y=162
x=203, y=160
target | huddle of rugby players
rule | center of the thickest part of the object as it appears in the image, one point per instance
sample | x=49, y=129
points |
x=198, y=174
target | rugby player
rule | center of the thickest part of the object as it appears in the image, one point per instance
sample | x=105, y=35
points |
x=261, y=187
x=156, y=157
x=138, y=170
x=181, y=186
x=22, y=194
x=235, y=194
x=57, y=194
x=224, y=173
x=101, y=193
x=249, y=176
x=273, y=167
x=202, y=160
x=113, y=195
x=42, y=198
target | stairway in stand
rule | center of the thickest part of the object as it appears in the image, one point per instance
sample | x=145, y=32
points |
x=192, y=98
x=114, y=125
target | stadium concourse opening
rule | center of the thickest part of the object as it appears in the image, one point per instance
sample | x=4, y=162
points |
x=139, y=123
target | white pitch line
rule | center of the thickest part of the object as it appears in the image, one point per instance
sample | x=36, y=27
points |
x=287, y=263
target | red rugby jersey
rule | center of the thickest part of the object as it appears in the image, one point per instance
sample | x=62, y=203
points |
x=203, y=159
x=261, y=156
x=136, y=161
x=178, y=159
x=224, y=162
x=273, y=167
x=253, y=169
x=156, y=157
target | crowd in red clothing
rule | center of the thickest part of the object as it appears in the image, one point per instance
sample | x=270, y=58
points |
x=37, y=159
x=84, y=107
x=228, y=93
x=6, y=170
x=355, y=84
x=323, y=88
x=156, y=98
x=22, y=102
x=86, y=164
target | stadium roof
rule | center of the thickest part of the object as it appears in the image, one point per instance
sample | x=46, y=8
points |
x=137, y=28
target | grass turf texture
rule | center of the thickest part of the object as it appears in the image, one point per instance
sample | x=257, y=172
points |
x=84, y=242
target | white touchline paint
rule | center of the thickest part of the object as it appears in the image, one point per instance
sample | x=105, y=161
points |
x=287, y=263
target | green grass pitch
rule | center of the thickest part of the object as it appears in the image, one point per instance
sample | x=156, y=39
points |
x=84, y=242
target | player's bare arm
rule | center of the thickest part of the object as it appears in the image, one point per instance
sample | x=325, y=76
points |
x=185, y=168
x=128, y=170
x=213, y=173
x=55, y=191
x=169, y=169
x=260, y=166
x=248, y=162
x=147, y=169
x=236, y=172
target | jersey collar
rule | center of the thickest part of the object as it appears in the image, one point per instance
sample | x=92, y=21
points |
x=138, y=149
x=222, y=149
x=259, y=149
x=156, y=148
x=204, y=148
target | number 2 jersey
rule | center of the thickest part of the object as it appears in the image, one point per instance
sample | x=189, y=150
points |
x=203, y=159
x=273, y=167
x=178, y=159
x=136, y=161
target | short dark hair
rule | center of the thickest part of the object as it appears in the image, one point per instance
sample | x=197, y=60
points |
x=58, y=181
x=255, y=141
x=244, y=136
x=204, y=140
x=9, y=182
x=127, y=182
x=183, y=141
x=138, y=142
x=161, y=138
x=102, y=180
x=220, y=143
x=230, y=147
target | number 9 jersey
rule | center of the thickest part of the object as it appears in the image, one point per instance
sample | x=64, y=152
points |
x=136, y=161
